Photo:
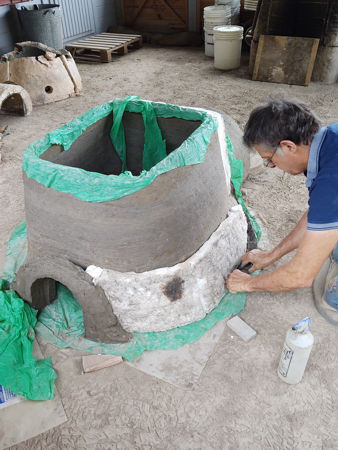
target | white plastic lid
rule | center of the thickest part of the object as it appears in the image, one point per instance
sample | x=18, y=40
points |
x=229, y=28
x=215, y=10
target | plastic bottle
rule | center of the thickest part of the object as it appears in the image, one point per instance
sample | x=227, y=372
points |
x=296, y=351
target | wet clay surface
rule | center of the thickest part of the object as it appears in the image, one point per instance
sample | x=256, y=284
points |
x=238, y=402
x=174, y=289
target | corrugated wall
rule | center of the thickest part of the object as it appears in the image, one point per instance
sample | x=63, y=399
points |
x=79, y=18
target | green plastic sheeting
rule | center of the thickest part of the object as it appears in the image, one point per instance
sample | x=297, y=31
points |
x=236, y=179
x=154, y=146
x=61, y=324
x=16, y=253
x=19, y=372
x=96, y=187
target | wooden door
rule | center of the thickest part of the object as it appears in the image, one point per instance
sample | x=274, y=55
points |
x=156, y=15
x=200, y=5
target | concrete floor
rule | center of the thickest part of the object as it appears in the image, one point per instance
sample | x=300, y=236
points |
x=238, y=401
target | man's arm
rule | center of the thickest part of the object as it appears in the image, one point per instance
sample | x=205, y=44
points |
x=261, y=259
x=298, y=273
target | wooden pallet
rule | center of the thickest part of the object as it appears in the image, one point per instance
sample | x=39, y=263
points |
x=100, y=47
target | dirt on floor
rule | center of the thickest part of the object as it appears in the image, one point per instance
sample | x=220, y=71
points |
x=238, y=402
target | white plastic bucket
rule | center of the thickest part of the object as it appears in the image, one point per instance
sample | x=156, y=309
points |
x=209, y=44
x=223, y=2
x=209, y=35
x=210, y=12
x=227, y=48
x=214, y=16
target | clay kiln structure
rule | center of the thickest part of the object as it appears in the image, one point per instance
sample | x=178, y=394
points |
x=47, y=74
x=156, y=255
x=14, y=100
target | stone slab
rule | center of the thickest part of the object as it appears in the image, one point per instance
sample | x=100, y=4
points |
x=170, y=297
x=181, y=367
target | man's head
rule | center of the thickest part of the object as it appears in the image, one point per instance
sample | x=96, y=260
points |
x=282, y=131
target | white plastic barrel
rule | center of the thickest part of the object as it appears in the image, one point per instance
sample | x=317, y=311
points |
x=228, y=44
x=214, y=16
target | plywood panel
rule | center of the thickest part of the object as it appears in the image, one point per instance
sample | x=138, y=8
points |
x=156, y=15
x=285, y=59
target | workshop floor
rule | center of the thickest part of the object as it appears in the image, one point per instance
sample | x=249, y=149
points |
x=238, y=402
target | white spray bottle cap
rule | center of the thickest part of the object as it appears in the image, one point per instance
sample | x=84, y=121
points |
x=302, y=326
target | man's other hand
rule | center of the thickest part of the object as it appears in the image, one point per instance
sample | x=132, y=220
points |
x=258, y=258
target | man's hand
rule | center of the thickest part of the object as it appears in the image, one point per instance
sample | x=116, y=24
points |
x=259, y=259
x=238, y=281
x=300, y=272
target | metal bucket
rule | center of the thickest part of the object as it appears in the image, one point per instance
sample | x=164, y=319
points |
x=42, y=24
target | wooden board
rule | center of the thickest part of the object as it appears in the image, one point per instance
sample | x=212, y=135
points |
x=156, y=15
x=285, y=59
x=200, y=5
x=100, y=47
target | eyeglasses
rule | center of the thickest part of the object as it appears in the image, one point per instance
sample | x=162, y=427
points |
x=268, y=161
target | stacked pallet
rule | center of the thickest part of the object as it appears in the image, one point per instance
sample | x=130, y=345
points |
x=100, y=47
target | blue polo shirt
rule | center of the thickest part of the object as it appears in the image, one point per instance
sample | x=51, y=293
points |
x=322, y=180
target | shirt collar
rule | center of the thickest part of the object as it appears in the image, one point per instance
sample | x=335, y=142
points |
x=312, y=165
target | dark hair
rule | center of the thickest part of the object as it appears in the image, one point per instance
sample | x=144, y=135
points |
x=280, y=119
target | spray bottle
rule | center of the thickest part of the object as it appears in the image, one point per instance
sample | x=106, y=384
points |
x=296, y=351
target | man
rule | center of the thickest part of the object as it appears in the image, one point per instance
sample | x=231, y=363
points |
x=287, y=134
